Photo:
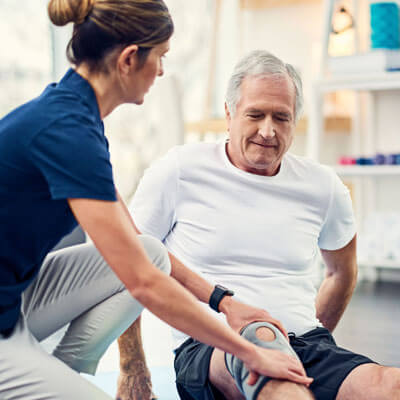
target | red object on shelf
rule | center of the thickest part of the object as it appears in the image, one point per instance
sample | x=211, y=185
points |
x=345, y=160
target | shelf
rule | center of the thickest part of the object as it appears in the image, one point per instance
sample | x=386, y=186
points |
x=367, y=170
x=207, y=125
x=259, y=4
x=377, y=81
x=390, y=264
x=332, y=124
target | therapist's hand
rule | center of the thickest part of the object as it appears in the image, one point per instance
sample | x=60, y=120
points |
x=239, y=315
x=275, y=364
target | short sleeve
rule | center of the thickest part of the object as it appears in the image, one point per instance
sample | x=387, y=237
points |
x=339, y=226
x=73, y=156
x=154, y=203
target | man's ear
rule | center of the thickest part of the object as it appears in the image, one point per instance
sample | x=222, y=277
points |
x=227, y=116
x=127, y=59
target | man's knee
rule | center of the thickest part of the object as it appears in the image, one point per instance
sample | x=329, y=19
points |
x=265, y=334
x=262, y=334
x=157, y=253
x=371, y=381
x=390, y=378
x=277, y=389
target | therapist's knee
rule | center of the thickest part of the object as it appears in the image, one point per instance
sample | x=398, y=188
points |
x=157, y=253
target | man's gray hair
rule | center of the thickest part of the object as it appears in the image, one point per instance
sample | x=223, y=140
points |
x=259, y=63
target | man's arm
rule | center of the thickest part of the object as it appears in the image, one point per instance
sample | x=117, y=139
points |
x=237, y=314
x=114, y=235
x=339, y=283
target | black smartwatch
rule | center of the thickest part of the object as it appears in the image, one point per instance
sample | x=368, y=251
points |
x=217, y=295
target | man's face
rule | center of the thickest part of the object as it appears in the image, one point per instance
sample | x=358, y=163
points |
x=261, y=130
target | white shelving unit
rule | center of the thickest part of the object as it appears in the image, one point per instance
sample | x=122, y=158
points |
x=369, y=83
x=363, y=137
x=377, y=81
x=369, y=171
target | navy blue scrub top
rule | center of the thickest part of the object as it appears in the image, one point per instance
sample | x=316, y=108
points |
x=51, y=149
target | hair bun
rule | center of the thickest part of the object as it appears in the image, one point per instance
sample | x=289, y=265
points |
x=61, y=12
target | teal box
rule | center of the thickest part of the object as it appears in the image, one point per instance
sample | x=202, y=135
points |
x=385, y=26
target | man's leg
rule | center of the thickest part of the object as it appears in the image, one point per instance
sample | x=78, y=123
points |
x=134, y=381
x=274, y=389
x=370, y=382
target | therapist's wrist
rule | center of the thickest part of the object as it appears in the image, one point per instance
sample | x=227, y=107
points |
x=247, y=351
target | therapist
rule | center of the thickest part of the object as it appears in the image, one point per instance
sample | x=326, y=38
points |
x=55, y=172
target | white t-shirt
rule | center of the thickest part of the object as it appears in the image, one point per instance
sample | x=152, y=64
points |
x=257, y=235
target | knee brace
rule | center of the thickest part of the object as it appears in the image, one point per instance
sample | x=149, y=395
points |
x=239, y=371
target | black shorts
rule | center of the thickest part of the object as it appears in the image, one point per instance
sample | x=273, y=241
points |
x=322, y=359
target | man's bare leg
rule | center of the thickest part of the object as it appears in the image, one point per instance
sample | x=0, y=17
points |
x=134, y=381
x=274, y=389
x=369, y=382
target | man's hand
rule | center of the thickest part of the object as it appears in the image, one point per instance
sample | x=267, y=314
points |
x=238, y=315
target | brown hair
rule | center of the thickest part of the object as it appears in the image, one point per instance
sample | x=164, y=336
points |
x=100, y=26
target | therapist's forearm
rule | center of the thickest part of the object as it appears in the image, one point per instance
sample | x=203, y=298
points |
x=125, y=210
x=113, y=234
x=176, y=306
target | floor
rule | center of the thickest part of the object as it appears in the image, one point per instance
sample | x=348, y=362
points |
x=370, y=326
x=371, y=323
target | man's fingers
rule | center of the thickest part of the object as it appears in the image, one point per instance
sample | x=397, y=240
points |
x=274, y=322
x=280, y=327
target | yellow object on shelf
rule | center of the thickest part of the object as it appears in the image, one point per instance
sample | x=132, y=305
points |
x=257, y=4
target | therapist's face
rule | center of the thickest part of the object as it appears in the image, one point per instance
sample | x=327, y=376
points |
x=149, y=71
x=138, y=79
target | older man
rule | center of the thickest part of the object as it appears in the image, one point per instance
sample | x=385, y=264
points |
x=250, y=216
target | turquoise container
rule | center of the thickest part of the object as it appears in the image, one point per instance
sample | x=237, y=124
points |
x=385, y=26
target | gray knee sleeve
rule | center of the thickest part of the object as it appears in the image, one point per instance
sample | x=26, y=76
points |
x=239, y=371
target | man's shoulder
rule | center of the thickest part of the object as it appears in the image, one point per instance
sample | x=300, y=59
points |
x=198, y=147
x=195, y=153
x=185, y=158
x=308, y=167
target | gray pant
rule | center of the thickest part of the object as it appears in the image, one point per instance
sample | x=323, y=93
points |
x=76, y=286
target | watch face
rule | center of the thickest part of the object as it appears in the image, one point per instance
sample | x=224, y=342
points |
x=227, y=292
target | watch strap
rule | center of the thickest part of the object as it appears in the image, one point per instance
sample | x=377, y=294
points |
x=217, y=295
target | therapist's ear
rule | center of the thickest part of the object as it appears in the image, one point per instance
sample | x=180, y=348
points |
x=127, y=59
